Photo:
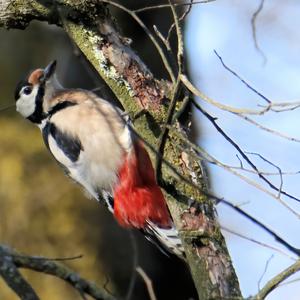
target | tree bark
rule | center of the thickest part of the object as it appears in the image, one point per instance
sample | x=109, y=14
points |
x=92, y=28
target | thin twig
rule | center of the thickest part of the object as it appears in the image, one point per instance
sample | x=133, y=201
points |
x=209, y=158
x=139, y=10
x=264, y=172
x=241, y=79
x=284, y=106
x=272, y=164
x=148, y=32
x=264, y=271
x=263, y=226
x=253, y=25
x=272, y=131
x=181, y=109
x=240, y=112
x=148, y=283
x=44, y=265
x=241, y=163
x=168, y=47
x=162, y=38
x=219, y=105
x=289, y=282
x=50, y=259
x=183, y=16
x=97, y=89
x=180, y=46
x=4, y=108
x=242, y=153
x=257, y=242
x=172, y=107
x=164, y=135
x=235, y=110
x=134, y=265
x=274, y=282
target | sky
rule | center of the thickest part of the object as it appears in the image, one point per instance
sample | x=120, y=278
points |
x=225, y=26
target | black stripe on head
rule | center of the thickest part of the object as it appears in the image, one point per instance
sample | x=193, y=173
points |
x=19, y=87
x=38, y=114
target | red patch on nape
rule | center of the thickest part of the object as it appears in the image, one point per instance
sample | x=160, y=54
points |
x=137, y=197
x=35, y=76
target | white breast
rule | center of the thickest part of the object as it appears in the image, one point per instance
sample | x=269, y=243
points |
x=105, y=140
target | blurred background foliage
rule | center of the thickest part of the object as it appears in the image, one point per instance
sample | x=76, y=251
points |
x=41, y=211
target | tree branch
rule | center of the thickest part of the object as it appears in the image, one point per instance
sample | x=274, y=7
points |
x=274, y=282
x=14, y=278
x=10, y=261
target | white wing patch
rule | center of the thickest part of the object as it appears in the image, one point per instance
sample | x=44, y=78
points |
x=168, y=237
x=59, y=155
x=126, y=139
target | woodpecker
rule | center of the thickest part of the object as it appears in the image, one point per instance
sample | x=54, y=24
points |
x=91, y=141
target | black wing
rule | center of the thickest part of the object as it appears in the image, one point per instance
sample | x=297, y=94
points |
x=70, y=145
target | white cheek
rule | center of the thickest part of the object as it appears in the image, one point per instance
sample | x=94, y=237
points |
x=26, y=104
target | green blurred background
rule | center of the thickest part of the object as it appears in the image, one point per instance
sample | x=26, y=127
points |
x=41, y=211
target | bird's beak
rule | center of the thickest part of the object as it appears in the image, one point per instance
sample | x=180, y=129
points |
x=49, y=70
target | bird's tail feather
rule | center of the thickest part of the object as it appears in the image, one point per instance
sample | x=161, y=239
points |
x=166, y=239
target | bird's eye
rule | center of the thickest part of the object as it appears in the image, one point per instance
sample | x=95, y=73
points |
x=27, y=90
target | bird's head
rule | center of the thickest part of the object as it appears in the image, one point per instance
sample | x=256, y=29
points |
x=32, y=93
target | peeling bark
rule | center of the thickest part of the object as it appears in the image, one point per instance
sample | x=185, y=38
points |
x=126, y=63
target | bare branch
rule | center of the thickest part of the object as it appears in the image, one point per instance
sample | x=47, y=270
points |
x=209, y=158
x=285, y=106
x=257, y=242
x=149, y=34
x=273, y=283
x=162, y=38
x=175, y=91
x=275, y=166
x=261, y=225
x=4, y=108
x=239, y=112
x=242, y=153
x=139, y=10
x=265, y=270
x=272, y=131
x=14, y=278
x=219, y=105
x=134, y=266
x=164, y=135
x=253, y=25
x=241, y=79
x=182, y=17
x=53, y=259
x=289, y=282
x=148, y=283
x=51, y=267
